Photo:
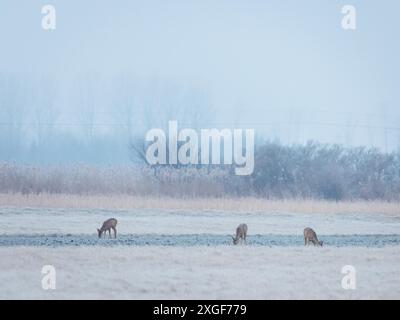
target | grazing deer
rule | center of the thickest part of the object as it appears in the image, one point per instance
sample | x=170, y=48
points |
x=311, y=236
x=107, y=226
x=241, y=233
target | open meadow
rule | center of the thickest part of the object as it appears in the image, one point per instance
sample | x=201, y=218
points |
x=182, y=249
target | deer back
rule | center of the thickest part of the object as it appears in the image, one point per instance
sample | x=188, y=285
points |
x=108, y=224
x=310, y=234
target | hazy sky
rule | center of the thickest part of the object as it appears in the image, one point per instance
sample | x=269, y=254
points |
x=285, y=68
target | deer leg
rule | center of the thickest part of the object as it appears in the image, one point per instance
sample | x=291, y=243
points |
x=109, y=233
x=115, y=232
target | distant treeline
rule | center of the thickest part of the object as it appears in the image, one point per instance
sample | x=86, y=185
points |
x=326, y=172
x=311, y=171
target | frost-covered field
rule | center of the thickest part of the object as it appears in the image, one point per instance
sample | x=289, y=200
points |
x=16, y=220
x=199, y=273
x=209, y=269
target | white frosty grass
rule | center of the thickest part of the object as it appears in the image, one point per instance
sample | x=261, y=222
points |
x=199, y=273
x=142, y=221
x=223, y=272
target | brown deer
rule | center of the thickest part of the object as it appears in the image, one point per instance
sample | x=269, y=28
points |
x=241, y=233
x=107, y=226
x=311, y=236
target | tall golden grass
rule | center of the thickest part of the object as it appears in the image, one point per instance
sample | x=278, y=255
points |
x=245, y=204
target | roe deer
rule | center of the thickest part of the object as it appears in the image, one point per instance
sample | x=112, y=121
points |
x=107, y=226
x=311, y=236
x=241, y=233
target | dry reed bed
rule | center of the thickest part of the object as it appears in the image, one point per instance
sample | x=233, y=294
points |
x=246, y=204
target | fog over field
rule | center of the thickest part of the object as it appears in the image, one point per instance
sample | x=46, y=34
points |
x=111, y=71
